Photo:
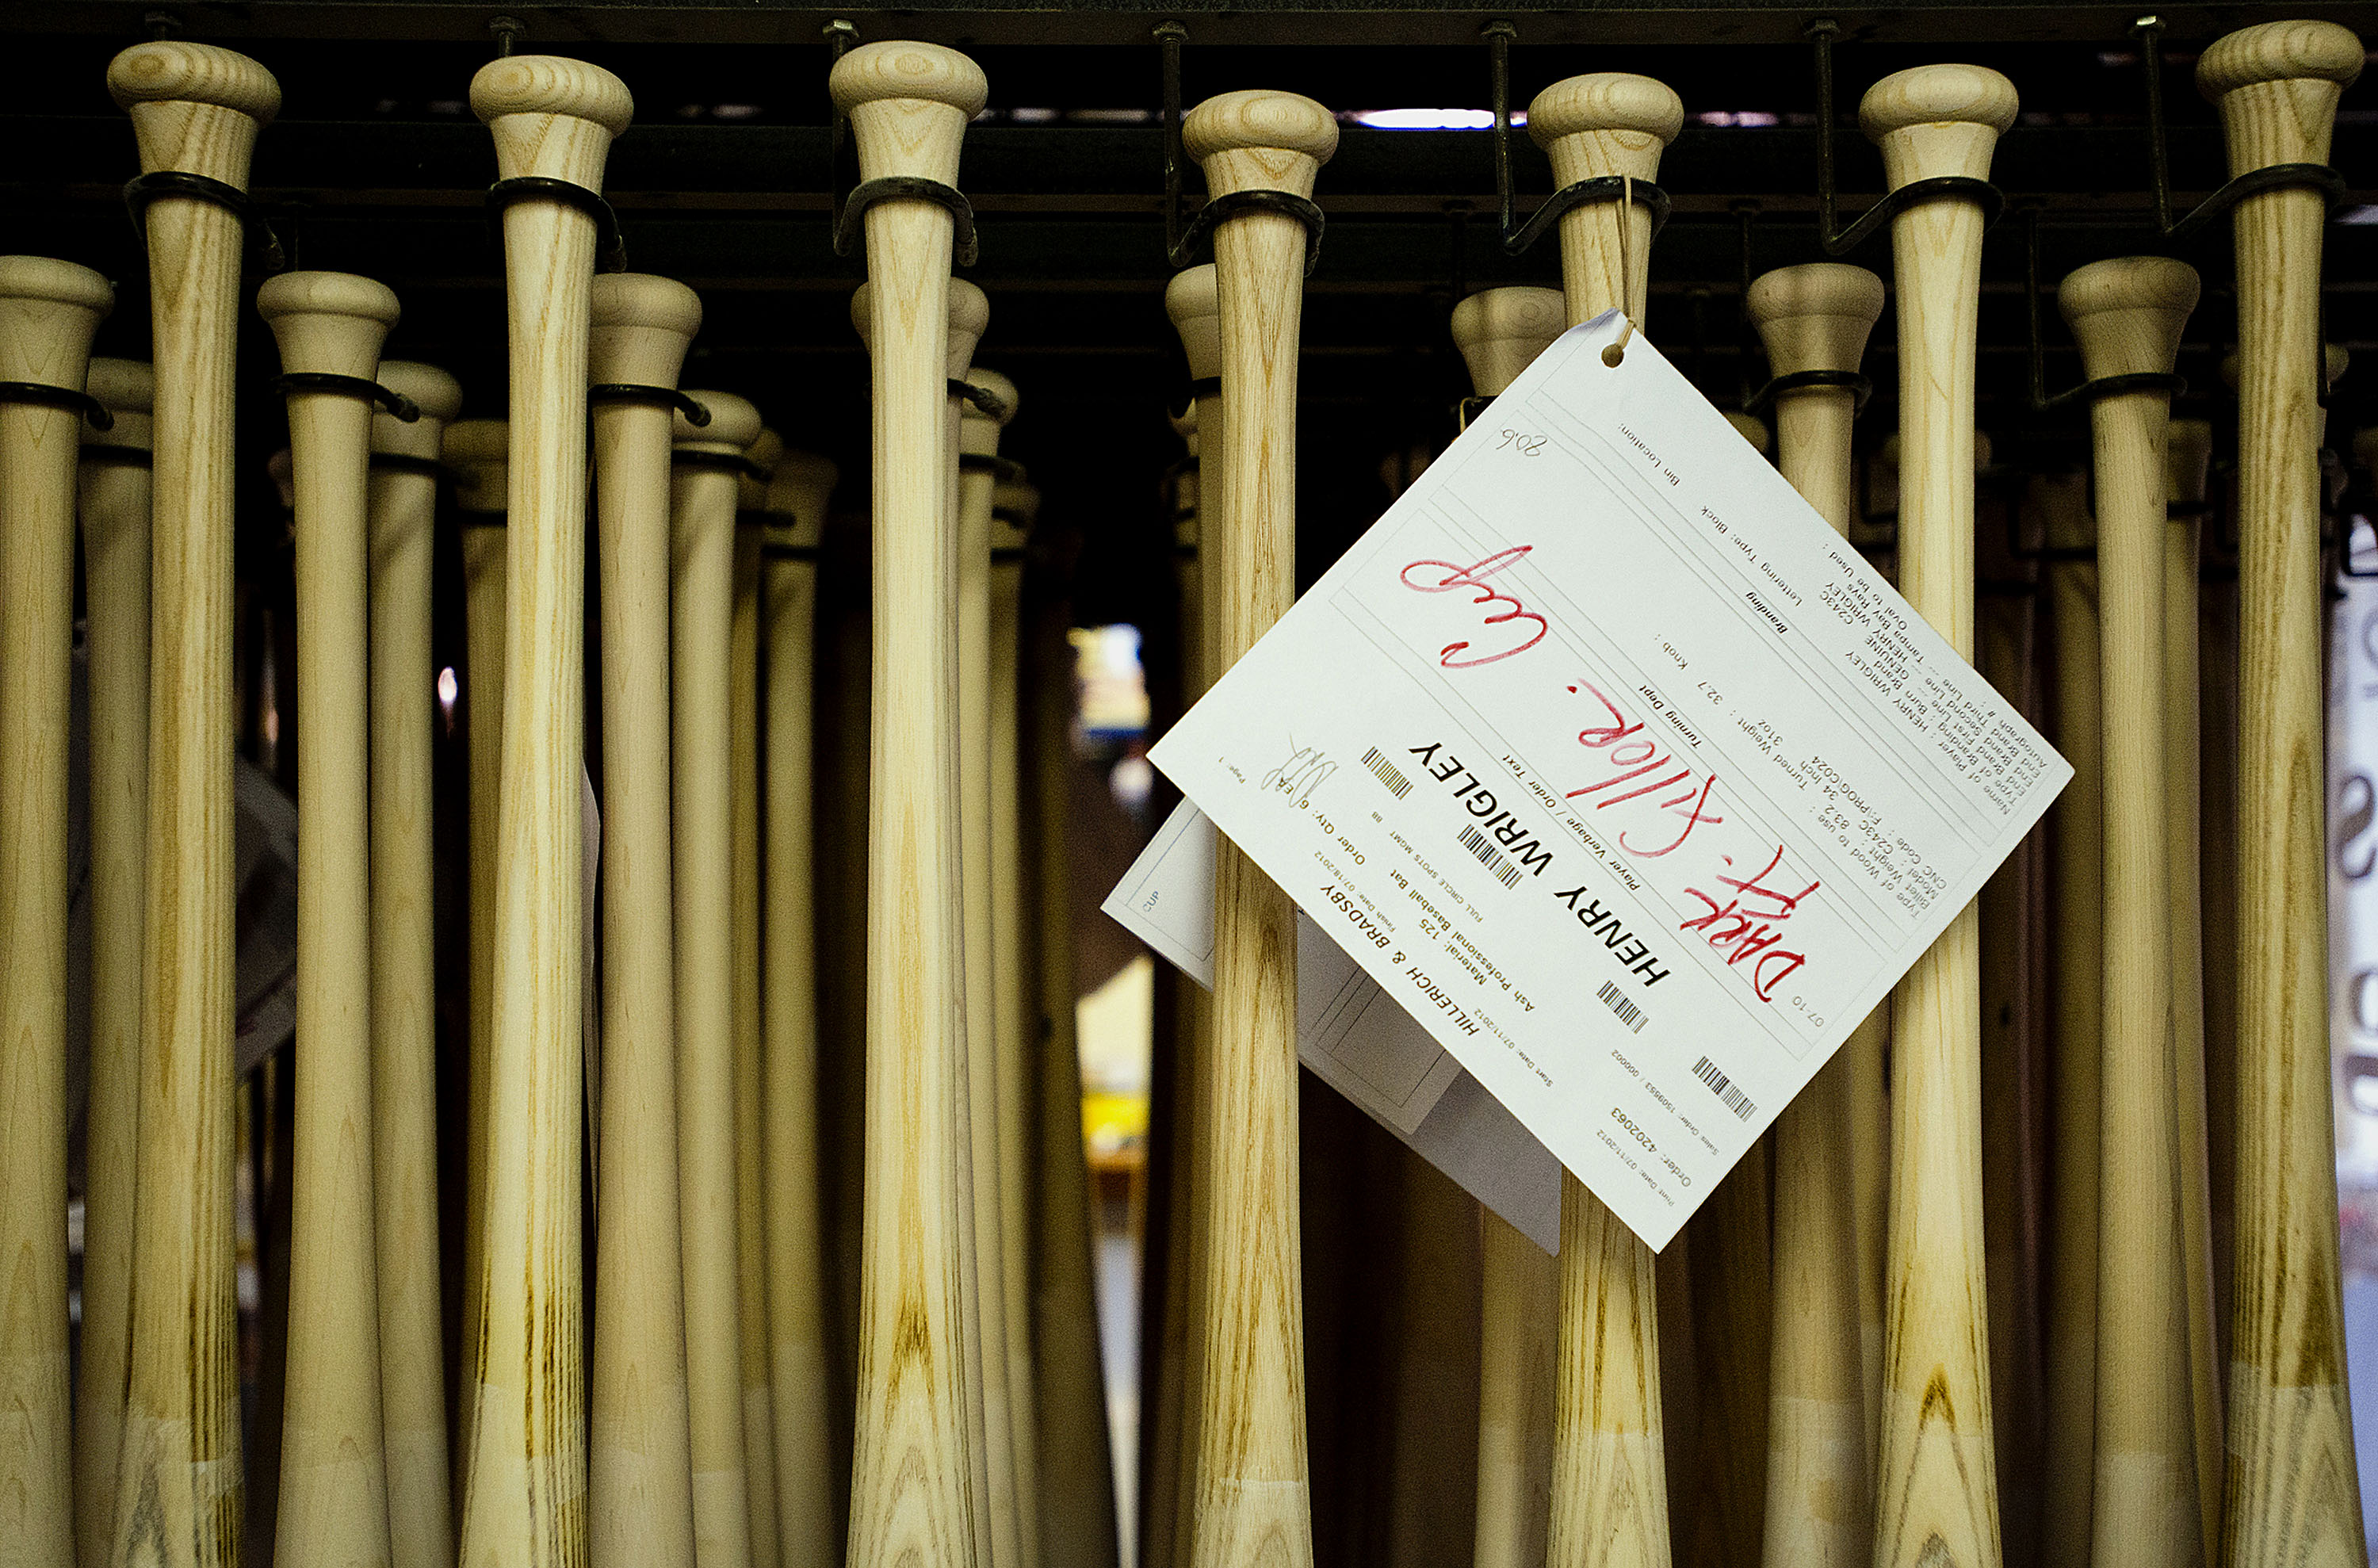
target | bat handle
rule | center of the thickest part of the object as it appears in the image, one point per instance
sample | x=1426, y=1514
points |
x=1595, y=126
x=1816, y=319
x=1501, y=330
x=2276, y=87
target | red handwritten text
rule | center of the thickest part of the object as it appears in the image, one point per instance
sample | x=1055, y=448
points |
x=1444, y=576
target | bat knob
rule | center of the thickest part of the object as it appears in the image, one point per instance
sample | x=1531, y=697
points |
x=49, y=309
x=1259, y=139
x=2188, y=461
x=175, y=71
x=1194, y=300
x=767, y=449
x=436, y=393
x=330, y=323
x=479, y=451
x=734, y=425
x=969, y=319
x=2274, y=52
x=1752, y=428
x=1815, y=317
x=2127, y=313
x=1605, y=123
x=908, y=104
x=637, y=329
x=127, y=389
x=1501, y=330
x=1932, y=121
x=553, y=118
x=799, y=488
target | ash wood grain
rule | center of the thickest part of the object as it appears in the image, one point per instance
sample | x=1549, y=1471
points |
x=113, y=499
x=334, y=1498
x=402, y=508
x=1499, y=332
x=640, y=1468
x=1937, y=1490
x=178, y=1481
x=1252, y=1488
x=1821, y=1446
x=702, y=609
x=2127, y=314
x=2076, y=933
x=801, y=1388
x=2187, y=448
x=48, y=311
x=524, y=1498
x=1610, y=1482
x=2290, y=1488
x=912, y=1489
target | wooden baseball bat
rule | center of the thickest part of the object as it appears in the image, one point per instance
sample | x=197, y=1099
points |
x=1252, y=1499
x=1819, y=1445
x=1192, y=301
x=1937, y=1493
x=1752, y=428
x=2077, y=935
x=640, y=1474
x=194, y=110
x=114, y=501
x=913, y=1494
x=1499, y=332
x=524, y=1498
x=2187, y=450
x=751, y=1101
x=2290, y=1491
x=333, y=1499
x=477, y=453
x=2127, y=314
x=1077, y=1502
x=48, y=312
x=801, y=1383
x=1002, y=980
x=1610, y=1487
x=402, y=505
x=701, y=607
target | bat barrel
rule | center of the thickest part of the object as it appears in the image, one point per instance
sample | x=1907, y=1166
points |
x=49, y=311
x=2277, y=88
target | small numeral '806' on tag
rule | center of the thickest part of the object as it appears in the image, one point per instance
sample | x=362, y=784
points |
x=1521, y=442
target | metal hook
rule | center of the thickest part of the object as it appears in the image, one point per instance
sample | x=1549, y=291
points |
x=1516, y=240
x=2274, y=177
x=1181, y=242
x=508, y=32
x=2087, y=392
x=1821, y=34
x=1170, y=36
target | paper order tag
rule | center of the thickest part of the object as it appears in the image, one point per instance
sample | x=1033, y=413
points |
x=1352, y=1035
x=1620, y=770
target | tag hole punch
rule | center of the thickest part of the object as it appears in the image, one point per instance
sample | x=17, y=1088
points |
x=1614, y=355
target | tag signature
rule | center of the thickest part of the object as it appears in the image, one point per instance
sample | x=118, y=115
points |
x=1306, y=770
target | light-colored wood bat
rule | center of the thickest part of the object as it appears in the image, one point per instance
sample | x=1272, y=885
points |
x=1752, y=428
x=913, y=1494
x=701, y=607
x=196, y=110
x=2188, y=451
x=751, y=1100
x=114, y=501
x=1499, y=332
x=1077, y=1502
x=402, y=503
x=1937, y=1490
x=477, y=453
x=48, y=312
x=1816, y=317
x=1192, y=302
x=1610, y=1485
x=801, y=1383
x=640, y=1472
x=2127, y=314
x=2077, y=935
x=333, y=1501
x=1252, y=1499
x=2291, y=1495
x=525, y=1499
x=999, y=1005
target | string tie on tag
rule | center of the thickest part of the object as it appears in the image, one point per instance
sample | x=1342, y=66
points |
x=1616, y=352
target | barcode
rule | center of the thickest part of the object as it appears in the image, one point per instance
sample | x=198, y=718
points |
x=1388, y=773
x=1628, y=1013
x=1490, y=857
x=1722, y=1087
